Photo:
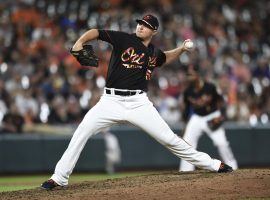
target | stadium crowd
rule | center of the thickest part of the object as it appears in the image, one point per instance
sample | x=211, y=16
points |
x=42, y=83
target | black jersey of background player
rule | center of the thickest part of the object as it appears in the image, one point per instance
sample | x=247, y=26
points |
x=131, y=61
x=203, y=101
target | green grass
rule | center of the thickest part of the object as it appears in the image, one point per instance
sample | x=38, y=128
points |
x=15, y=187
x=21, y=182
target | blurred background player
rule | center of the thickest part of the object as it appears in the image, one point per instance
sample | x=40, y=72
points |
x=113, y=151
x=205, y=107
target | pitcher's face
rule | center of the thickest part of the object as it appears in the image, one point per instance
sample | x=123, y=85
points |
x=144, y=32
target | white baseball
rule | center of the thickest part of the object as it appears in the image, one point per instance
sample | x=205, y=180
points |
x=189, y=44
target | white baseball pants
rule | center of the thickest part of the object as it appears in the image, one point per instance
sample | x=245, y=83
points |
x=137, y=110
x=196, y=126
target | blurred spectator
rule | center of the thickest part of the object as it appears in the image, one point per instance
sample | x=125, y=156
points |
x=169, y=110
x=27, y=106
x=12, y=122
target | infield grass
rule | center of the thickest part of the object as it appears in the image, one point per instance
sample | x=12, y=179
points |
x=21, y=182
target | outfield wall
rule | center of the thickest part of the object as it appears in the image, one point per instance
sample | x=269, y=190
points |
x=39, y=153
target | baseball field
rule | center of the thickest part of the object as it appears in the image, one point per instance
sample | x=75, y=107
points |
x=241, y=184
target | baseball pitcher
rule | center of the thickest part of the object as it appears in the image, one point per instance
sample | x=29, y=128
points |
x=125, y=99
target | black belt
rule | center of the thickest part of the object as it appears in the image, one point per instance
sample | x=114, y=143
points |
x=122, y=93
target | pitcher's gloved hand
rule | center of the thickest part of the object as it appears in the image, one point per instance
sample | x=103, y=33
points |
x=86, y=56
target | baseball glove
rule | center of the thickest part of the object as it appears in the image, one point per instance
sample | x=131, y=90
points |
x=86, y=56
x=215, y=123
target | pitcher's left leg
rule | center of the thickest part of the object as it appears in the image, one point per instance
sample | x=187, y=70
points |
x=147, y=118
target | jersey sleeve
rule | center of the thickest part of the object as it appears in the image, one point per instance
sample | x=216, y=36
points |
x=112, y=37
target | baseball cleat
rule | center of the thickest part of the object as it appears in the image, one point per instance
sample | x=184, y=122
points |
x=49, y=184
x=224, y=168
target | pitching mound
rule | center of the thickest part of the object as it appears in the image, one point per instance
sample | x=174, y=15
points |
x=241, y=184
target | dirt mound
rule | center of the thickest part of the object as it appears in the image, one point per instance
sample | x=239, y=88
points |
x=246, y=183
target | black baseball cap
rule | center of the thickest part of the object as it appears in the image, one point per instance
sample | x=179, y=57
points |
x=149, y=21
